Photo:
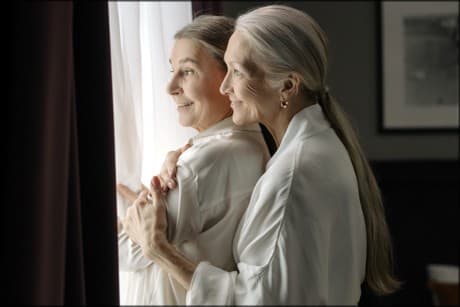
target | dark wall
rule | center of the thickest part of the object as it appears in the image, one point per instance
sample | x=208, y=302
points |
x=422, y=204
x=352, y=28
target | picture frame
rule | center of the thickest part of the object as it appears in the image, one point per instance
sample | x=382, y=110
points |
x=419, y=66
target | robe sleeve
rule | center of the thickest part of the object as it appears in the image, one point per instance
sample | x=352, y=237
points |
x=250, y=285
x=130, y=256
x=183, y=211
x=257, y=280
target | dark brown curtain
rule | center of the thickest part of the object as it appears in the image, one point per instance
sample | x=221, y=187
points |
x=212, y=7
x=61, y=243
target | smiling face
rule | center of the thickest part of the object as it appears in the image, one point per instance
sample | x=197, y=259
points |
x=194, y=85
x=252, y=99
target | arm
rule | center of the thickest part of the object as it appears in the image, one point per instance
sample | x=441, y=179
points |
x=189, y=273
x=153, y=240
x=258, y=278
x=183, y=214
x=130, y=255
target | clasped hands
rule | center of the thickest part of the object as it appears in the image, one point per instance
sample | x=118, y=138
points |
x=146, y=219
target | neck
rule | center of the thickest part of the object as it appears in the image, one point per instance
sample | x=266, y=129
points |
x=278, y=124
x=215, y=121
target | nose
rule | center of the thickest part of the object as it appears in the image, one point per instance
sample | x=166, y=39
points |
x=173, y=87
x=224, y=88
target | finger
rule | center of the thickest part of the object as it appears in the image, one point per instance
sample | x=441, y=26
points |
x=125, y=224
x=163, y=183
x=173, y=156
x=142, y=199
x=172, y=172
x=127, y=229
x=163, y=188
x=185, y=147
x=126, y=192
x=172, y=184
x=155, y=184
x=143, y=194
x=156, y=190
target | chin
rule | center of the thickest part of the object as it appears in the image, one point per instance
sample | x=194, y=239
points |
x=185, y=122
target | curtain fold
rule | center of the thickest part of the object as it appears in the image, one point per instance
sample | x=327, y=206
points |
x=61, y=239
x=96, y=157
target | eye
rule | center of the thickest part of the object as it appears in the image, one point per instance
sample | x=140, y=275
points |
x=188, y=72
x=236, y=72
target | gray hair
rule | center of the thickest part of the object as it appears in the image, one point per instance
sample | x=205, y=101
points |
x=280, y=37
x=213, y=32
x=285, y=40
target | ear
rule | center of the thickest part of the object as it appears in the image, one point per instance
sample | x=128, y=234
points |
x=290, y=86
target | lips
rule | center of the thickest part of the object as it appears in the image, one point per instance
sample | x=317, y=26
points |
x=184, y=105
x=234, y=103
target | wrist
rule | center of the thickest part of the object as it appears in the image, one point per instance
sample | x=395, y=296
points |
x=157, y=250
x=169, y=258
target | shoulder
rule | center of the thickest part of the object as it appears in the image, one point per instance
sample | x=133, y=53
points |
x=322, y=155
x=319, y=160
x=229, y=149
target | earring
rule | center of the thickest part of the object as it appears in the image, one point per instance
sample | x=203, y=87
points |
x=284, y=104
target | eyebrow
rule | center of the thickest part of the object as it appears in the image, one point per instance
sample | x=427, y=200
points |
x=186, y=60
x=246, y=65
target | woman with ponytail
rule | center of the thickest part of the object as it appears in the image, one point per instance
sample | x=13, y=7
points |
x=315, y=227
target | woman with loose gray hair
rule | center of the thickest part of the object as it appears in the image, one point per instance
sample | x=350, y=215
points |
x=214, y=184
x=315, y=227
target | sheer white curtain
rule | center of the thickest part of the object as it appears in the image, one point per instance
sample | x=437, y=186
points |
x=145, y=118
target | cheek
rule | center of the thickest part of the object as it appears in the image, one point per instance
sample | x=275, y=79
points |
x=251, y=90
x=243, y=90
x=196, y=92
x=252, y=97
x=212, y=89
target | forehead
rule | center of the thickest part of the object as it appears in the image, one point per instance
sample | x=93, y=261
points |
x=187, y=49
x=238, y=49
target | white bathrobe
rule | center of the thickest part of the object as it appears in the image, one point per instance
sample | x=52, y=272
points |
x=215, y=178
x=302, y=239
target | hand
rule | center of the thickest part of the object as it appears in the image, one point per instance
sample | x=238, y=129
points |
x=119, y=225
x=146, y=222
x=129, y=194
x=168, y=170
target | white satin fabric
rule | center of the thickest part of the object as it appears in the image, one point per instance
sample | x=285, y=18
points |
x=215, y=177
x=302, y=239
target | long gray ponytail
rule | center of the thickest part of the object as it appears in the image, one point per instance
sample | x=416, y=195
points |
x=287, y=40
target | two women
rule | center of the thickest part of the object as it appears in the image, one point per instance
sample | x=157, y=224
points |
x=314, y=229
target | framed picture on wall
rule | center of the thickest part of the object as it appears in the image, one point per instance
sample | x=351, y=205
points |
x=420, y=64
